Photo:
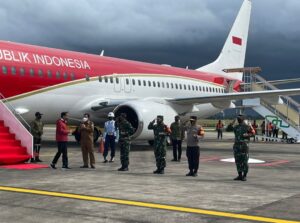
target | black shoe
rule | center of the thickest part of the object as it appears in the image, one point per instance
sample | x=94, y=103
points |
x=174, y=160
x=189, y=174
x=238, y=178
x=37, y=159
x=123, y=169
x=161, y=172
x=244, y=178
x=84, y=166
x=105, y=161
x=195, y=174
x=32, y=160
x=93, y=167
x=112, y=160
x=178, y=160
x=52, y=166
x=65, y=167
x=156, y=171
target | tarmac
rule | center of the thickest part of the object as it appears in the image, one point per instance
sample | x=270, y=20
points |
x=271, y=193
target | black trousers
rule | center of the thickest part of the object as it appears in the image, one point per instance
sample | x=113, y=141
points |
x=193, y=155
x=176, y=146
x=109, y=142
x=61, y=149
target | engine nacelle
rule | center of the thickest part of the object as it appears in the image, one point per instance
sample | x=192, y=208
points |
x=141, y=113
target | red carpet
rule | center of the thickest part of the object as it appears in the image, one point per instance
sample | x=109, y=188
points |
x=25, y=166
x=11, y=151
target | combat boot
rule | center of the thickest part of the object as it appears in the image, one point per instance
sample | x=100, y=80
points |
x=37, y=159
x=189, y=174
x=244, y=178
x=156, y=171
x=239, y=177
x=161, y=171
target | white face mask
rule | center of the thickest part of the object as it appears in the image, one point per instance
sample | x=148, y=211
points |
x=85, y=119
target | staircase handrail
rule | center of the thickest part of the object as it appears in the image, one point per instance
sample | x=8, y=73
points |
x=28, y=127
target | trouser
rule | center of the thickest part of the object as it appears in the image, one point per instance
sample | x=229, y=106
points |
x=220, y=134
x=124, y=152
x=61, y=149
x=160, y=156
x=36, y=147
x=109, y=142
x=193, y=155
x=88, y=151
x=176, y=146
x=241, y=156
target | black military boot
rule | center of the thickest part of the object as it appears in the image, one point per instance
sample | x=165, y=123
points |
x=32, y=160
x=239, y=177
x=244, y=178
x=156, y=171
x=38, y=160
x=161, y=171
x=189, y=174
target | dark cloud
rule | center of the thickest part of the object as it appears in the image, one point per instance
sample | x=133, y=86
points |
x=181, y=33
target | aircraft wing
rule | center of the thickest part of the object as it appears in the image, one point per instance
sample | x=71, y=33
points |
x=235, y=96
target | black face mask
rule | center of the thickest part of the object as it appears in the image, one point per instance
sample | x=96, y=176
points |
x=38, y=117
x=110, y=118
x=240, y=121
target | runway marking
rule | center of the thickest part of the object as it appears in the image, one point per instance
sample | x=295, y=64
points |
x=146, y=204
x=273, y=163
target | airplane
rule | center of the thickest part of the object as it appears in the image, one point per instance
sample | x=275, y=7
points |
x=35, y=78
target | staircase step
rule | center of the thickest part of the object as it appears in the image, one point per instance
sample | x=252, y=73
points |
x=7, y=135
x=13, y=159
x=13, y=150
x=1, y=123
x=4, y=129
x=10, y=142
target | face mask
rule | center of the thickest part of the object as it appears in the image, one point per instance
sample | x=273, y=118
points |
x=85, y=119
x=240, y=120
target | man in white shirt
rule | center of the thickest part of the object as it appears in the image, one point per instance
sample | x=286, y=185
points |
x=110, y=137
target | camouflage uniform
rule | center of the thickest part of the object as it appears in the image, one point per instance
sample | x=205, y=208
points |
x=37, y=131
x=160, y=143
x=241, y=149
x=125, y=131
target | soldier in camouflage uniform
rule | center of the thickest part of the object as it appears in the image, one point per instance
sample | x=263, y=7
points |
x=160, y=143
x=37, y=131
x=125, y=131
x=242, y=133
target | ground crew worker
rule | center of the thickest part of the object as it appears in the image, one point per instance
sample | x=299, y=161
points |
x=161, y=131
x=219, y=128
x=242, y=134
x=177, y=135
x=125, y=131
x=37, y=131
x=193, y=133
x=87, y=141
x=110, y=136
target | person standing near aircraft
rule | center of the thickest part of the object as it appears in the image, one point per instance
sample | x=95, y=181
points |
x=219, y=128
x=177, y=135
x=110, y=137
x=193, y=133
x=62, y=132
x=242, y=133
x=125, y=131
x=161, y=131
x=37, y=131
x=87, y=141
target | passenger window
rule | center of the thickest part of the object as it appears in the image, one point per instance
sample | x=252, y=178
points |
x=100, y=78
x=139, y=82
x=154, y=85
x=4, y=69
x=149, y=83
x=193, y=87
x=13, y=70
x=87, y=77
x=163, y=84
x=22, y=71
x=133, y=81
x=184, y=87
x=176, y=86
x=206, y=89
x=189, y=87
x=40, y=73
x=57, y=74
x=31, y=71
x=111, y=79
x=158, y=84
x=172, y=86
x=196, y=87
x=180, y=86
x=49, y=74
x=144, y=83
x=127, y=81
x=72, y=76
x=168, y=85
x=65, y=75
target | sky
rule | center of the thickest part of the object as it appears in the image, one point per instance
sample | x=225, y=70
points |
x=176, y=32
